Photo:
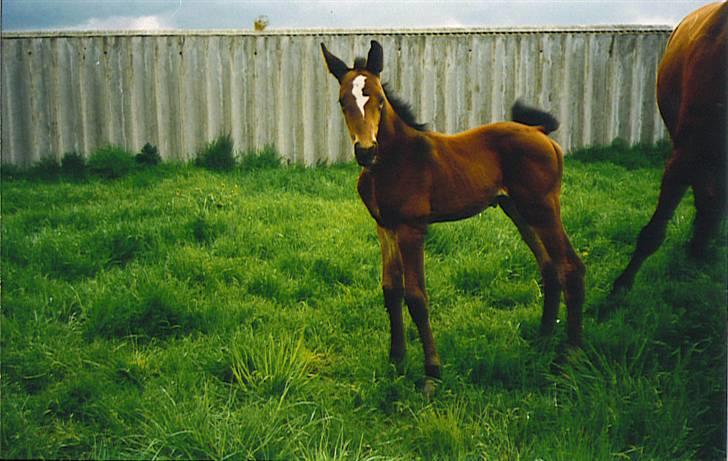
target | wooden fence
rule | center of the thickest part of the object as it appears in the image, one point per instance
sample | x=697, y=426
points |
x=75, y=91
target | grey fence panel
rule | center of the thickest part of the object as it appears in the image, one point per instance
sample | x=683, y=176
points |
x=75, y=91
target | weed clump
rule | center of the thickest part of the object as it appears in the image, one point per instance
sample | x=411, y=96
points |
x=124, y=248
x=73, y=165
x=263, y=159
x=46, y=169
x=77, y=399
x=153, y=311
x=149, y=155
x=10, y=171
x=218, y=155
x=111, y=162
x=206, y=230
x=273, y=366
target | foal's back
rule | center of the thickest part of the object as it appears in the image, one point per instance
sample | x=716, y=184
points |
x=504, y=158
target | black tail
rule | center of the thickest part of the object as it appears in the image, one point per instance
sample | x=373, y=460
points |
x=532, y=116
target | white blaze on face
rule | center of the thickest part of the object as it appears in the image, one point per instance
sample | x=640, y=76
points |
x=357, y=90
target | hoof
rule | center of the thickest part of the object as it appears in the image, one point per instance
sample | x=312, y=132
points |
x=618, y=291
x=429, y=387
x=564, y=354
x=433, y=371
x=622, y=285
x=397, y=363
x=574, y=339
x=397, y=357
x=609, y=306
x=697, y=250
x=547, y=329
x=544, y=343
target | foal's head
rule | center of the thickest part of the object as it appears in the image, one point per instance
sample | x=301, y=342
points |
x=362, y=99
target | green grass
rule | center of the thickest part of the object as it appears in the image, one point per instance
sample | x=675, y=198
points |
x=178, y=312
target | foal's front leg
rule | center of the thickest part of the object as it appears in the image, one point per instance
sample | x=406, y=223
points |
x=393, y=290
x=411, y=246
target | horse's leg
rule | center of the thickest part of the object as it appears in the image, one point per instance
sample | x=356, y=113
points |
x=551, y=284
x=709, y=210
x=411, y=246
x=673, y=188
x=393, y=289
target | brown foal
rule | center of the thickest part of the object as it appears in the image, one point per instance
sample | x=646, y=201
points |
x=411, y=178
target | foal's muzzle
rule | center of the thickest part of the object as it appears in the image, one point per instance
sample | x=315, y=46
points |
x=365, y=155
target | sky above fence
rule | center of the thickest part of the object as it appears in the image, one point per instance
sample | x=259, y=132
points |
x=339, y=14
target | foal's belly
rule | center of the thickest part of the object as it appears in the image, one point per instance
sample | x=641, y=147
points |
x=462, y=209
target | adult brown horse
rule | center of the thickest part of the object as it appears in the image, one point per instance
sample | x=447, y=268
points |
x=692, y=93
x=412, y=178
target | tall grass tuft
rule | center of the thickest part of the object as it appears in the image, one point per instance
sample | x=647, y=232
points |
x=337, y=448
x=73, y=166
x=153, y=309
x=217, y=155
x=11, y=171
x=149, y=155
x=272, y=367
x=263, y=159
x=630, y=400
x=444, y=433
x=111, y=162
x=46, y=169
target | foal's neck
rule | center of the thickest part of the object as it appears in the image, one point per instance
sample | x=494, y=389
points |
x=395, y=134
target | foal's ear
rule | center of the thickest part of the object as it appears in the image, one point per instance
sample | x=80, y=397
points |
x=375, y=59
x=336, y=66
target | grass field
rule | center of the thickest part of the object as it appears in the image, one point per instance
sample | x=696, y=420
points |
x=176, y=312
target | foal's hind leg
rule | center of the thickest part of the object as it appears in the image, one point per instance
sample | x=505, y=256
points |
x=570, y=272
x=569, y=268
x=539, y=222
x=551, y=284
x=651, y=236
x=543, y=216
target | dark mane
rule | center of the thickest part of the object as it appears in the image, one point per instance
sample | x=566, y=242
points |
x=360, y=63
x=403, y=109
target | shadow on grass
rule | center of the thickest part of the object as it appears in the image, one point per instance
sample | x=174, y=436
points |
x=621, y=154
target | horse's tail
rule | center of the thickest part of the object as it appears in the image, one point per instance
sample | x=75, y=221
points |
x=532, y=116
